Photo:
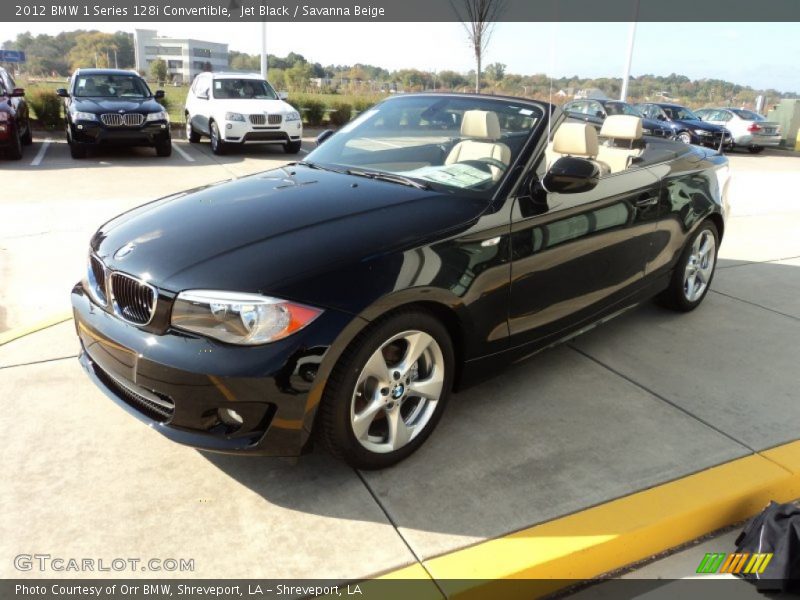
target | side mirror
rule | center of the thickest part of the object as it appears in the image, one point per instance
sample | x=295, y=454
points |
x=18, y=93
x=62, y=92
x=661, y=118
x=600, y=114
x=283, y=95
x=571, y=175
x=202, y=95
x=159, y=94
x=324, y=136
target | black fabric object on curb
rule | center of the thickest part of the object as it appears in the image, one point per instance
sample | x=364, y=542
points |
x=777, y=530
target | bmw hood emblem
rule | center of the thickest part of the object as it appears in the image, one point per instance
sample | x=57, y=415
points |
x=125, y=250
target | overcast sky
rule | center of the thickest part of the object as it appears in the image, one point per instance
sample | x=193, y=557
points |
x=762, y=55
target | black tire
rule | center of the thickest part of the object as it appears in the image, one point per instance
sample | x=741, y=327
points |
x=27, y=139
x=164, y=148
x=675, y=296
x=755, y=149
x=217, y=144
x=292, y=147
x=15, y=149
x=334, y=419
x=191, y=134
x=77, y=151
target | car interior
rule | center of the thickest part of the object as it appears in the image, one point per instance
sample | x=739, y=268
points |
x=482, y=130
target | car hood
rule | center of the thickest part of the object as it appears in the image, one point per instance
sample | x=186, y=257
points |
x=100, y=105
x=249, y=107
x=275, y=228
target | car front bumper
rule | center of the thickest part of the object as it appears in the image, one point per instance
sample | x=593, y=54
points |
x=179, y=384
x=243, y=132
x=94, y=133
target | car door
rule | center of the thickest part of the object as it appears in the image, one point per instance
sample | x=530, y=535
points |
x=577, y=256
x=18, y=103
x=201, y=103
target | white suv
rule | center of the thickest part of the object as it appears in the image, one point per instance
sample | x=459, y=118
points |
x=237, y=108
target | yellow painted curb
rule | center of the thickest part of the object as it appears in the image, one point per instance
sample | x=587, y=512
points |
x=621, y=532
x=18, y=332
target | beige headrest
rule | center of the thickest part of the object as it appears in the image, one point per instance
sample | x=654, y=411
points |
x=480, y=124
x=622, y=127
x=576, y=139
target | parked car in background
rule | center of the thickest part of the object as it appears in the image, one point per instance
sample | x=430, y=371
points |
x=15, y=123
x=686, y=126
x=234, y=109
x=749, y=129
x=417, y=249
x=113, y=107
x=595, y=112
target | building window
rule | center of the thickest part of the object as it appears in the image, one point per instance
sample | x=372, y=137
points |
x=202, y=52
x=166, y=50
x=174, y=64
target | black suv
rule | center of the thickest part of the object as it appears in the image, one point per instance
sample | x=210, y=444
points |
x=113, y=106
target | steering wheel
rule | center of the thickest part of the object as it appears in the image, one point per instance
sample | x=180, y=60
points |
x=484, y=162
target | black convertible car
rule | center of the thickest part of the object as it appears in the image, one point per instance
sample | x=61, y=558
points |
x=424, y=244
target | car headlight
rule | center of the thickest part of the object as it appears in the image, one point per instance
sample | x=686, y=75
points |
x=292, y=116
x=3, y=117
x=647, y=131
x=239, y=318
x=158, y=116
x=703, y=132
x=232, y=116
x=83, y=116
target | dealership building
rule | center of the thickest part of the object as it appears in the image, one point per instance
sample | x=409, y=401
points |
x=185, y=57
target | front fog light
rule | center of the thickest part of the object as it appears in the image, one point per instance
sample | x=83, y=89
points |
x=230, y=417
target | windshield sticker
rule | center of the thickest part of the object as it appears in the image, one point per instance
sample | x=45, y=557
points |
x=525, y=111
x=456, y=175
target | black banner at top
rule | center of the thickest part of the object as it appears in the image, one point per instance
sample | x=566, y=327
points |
x=396, y=10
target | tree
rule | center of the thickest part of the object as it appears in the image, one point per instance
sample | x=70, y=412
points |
x=496, y=71
x=478, y=17
x=158, y=70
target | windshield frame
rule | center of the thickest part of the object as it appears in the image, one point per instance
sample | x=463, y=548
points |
x=142, y=82
x=540, y=111
x=678, y=112
x=252, y=80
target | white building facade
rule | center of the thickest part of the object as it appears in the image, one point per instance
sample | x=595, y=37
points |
x=185, y=57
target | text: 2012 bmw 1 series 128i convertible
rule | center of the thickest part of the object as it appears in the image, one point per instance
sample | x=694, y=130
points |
x=430, y=240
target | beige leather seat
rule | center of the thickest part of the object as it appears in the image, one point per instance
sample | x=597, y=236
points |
x=620, y=148
x=575, y=139
x=483, y=127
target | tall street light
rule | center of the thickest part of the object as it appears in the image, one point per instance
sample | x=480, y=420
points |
x=631, y=39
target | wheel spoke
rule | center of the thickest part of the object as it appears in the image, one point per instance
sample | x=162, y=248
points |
x=376, y=367
x=430, y=387
x=399, y=432
x=417, y=344
x=364, y=419
x=690, y=280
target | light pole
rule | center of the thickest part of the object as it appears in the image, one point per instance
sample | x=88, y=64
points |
x=264, y=50
x=631, y=39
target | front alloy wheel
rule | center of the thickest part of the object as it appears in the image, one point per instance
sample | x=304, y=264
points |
x=684, y=137
x=694, y=271
x=388, y=390
x=217, y=145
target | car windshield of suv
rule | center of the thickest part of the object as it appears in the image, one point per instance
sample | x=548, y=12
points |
x=680, y=113
x=461, y=143
x=621, y=108
x=111, y=86
x=749, y=115
x=247, y=89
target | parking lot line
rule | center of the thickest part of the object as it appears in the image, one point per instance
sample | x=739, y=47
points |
x=40, y=155
x=183, y=153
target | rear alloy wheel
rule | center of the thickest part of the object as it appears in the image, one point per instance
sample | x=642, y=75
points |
x=755, y=149
x=388, y=391
x=27, y=139
x=292, y=147
x=217, y=145
x=684, y=137
x=191, y=134
x=694, y=271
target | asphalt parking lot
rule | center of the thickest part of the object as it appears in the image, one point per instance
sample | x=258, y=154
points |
x=648, y=398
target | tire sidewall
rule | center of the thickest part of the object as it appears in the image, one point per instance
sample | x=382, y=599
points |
x=349, y=370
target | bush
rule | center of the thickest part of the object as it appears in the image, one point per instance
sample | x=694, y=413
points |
x=340, y=113
x=313, y=111
x=165, y=102
x=46, y=107
x=362, y=104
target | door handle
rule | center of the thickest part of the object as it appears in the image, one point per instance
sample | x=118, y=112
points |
x=646, y=200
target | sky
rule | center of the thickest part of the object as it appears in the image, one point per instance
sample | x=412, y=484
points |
x=761, y=55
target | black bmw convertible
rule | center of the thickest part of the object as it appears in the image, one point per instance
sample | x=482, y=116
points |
x=429, y=241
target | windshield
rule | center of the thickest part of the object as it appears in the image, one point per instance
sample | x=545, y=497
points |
x=454, y=141
x=621, y=108
x=680, y=113
x=749, y=115
x=247, y=89
x=111, y=86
